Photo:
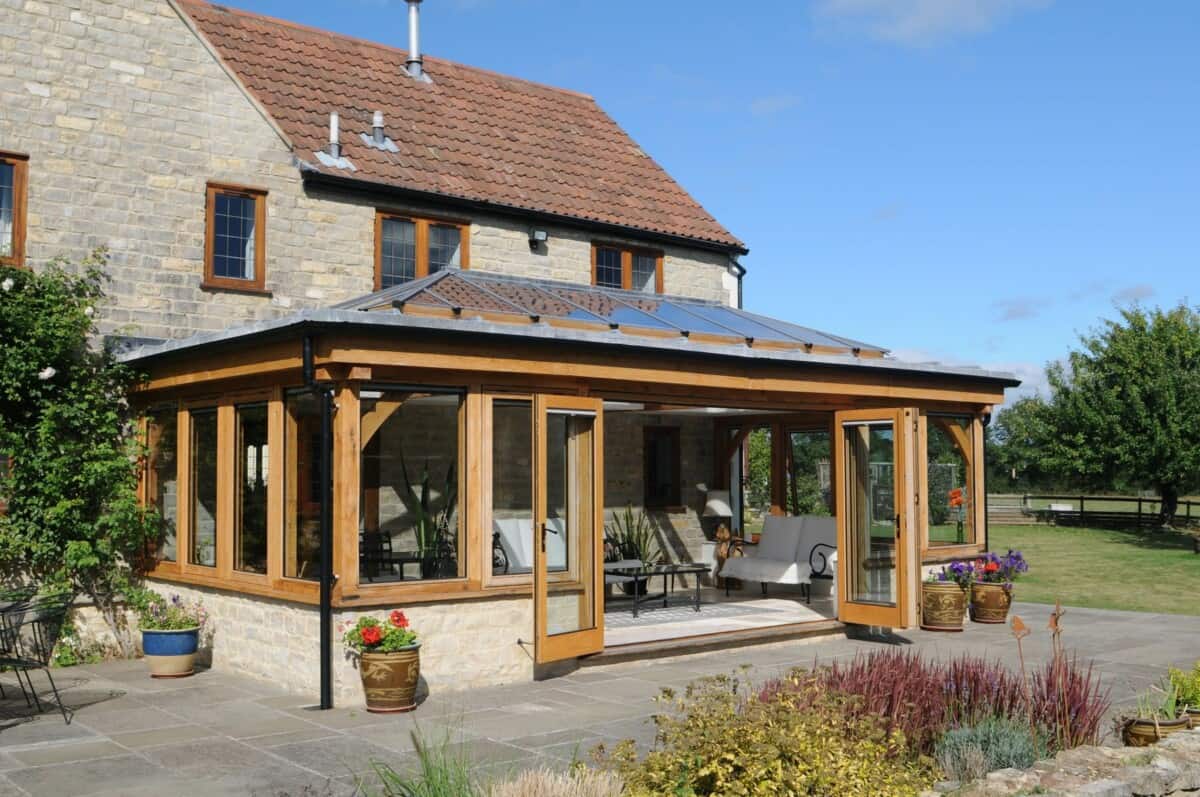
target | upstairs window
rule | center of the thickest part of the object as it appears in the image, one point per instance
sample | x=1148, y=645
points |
x=14, y=170
x=629, y=269
x=235, y=242
x=408, y=247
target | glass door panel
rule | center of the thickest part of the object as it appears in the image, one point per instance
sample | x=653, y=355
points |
x=871, y=529
x=568, y=582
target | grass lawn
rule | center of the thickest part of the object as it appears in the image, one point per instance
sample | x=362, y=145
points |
x=1138, y=571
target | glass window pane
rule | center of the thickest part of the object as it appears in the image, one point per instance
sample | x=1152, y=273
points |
x=512, y=490
x=398, y=257
x=233, y=236
x=645, y=273
x=871, y=513
x=251, y=481
x=570, y=514
x=302, y=497
x=204, y=488
x=608, y=267
x=411, y=527
x=808, y=483
x=949, y=449
x=445, y=247
x=163, y=478
x=756, y=489
x=7, y=189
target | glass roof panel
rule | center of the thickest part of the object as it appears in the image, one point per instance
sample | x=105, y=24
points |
x=680, y=315
x=745, y=326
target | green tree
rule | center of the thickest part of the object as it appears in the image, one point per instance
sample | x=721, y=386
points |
x=1125, y=408
x=73, y=520
x=1016, y=457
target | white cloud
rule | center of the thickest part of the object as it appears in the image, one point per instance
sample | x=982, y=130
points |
x=920, y=23
x=1019, y=307
x=1133, y=294
x=1032, y=375
x=773, y=104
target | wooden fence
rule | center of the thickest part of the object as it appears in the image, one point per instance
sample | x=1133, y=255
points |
x=1085, y=510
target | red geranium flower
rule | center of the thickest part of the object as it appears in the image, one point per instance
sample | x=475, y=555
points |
x=399, y=620
x=371, y=635
x=992, y=567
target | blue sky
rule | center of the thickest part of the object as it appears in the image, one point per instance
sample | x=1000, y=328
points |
x=963, y=180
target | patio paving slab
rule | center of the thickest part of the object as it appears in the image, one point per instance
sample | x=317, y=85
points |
x=218, y=733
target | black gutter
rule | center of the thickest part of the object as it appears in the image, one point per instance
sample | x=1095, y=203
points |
x=326, y=571
x=369, y=187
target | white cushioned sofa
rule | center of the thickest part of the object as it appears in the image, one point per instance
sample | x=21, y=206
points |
x=791, y=550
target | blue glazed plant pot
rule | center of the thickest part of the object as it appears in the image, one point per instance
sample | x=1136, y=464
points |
x=171, y=654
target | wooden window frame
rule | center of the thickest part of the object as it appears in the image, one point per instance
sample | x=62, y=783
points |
x=20, y=164
x=213, y=282
x=974, y=546
x=627, y=253
x=674, y=502
x=421, y=241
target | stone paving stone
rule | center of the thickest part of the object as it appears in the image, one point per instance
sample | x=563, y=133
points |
x=7, y=762
x=62, y=753
x=136, y=740
x=335, y=756
x=120, y=775
x=46, y=728
x=9, y=789
x=292, y=737
x=125, y=719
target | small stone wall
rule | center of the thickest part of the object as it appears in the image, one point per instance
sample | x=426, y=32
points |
x=1172, y=767
x=465, y=644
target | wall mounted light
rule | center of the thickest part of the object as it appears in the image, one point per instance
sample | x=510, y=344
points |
x=536, y=237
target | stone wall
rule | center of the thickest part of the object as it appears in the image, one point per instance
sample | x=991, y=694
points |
x=465, y=644
x=1171, y=767
x=681, y=533
x=125, y=116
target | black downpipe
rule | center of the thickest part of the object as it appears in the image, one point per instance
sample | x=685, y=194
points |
x=987, y=419
x=326, y=571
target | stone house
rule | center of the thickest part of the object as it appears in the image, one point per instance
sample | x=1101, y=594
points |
x=506, y=298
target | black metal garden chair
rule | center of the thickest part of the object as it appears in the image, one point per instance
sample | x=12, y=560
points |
x=13, y=604
x=31, y=630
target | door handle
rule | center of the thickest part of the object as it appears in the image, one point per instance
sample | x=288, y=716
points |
x=543, y=536
x=897, y=526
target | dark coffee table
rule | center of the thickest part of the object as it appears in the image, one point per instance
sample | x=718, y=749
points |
x=641, y=575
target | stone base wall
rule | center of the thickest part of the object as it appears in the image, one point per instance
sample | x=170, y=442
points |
x=465, y=644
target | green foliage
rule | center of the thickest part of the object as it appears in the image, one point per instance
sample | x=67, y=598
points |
x=996, y=743
x=431, y=523
x=629, y=535
x=1187, y=685
x=369, y=635
x=1124, y=410
x=443, y=770
x=71, y=651
x=1160, y=702
x=758, y=470
x=805, y=496
x=1015, y=454
x=73, y=519
x=718, y=741
x=156, y=613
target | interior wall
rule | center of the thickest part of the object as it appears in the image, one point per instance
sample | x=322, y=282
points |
x=682, y=533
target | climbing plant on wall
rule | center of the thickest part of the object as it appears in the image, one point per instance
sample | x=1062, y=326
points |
x=72, y=518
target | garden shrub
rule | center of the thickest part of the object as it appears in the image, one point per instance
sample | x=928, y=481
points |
x=73, y=521
x=580, y=782
x=716, y=740
x=1068, y=701
x=973, y=751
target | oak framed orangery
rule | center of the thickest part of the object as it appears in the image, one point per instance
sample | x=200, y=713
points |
x=484, y=430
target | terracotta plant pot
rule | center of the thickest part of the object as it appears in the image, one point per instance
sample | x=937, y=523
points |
x=989, y=603
x=943, y=606
x=390, y=680
x=1193, y=716
x=1143, y=733
x=171, y=654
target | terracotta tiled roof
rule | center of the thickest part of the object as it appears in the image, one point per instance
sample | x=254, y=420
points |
x=470, y=134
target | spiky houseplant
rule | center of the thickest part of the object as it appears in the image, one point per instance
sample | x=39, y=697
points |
x=431, y=514
x=629, y=535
